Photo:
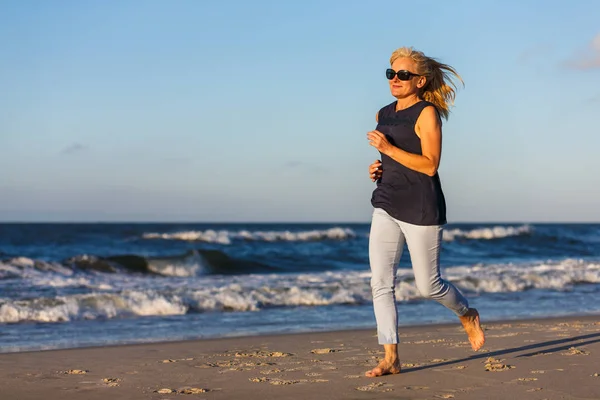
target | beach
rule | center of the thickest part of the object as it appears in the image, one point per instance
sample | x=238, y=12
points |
x=255, y=311
x=554, y=358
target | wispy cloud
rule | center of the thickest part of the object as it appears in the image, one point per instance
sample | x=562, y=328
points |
x=594, y=99
x=588, y=58
x=73, y=148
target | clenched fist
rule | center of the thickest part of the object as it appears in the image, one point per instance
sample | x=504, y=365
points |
x=375, y=171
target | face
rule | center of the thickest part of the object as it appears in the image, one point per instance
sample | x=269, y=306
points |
x=401, y=89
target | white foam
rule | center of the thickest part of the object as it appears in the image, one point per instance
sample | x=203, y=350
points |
x=191, y=265
x=17, y=268
x=90, y=306
x=225, y=236
x=496, y=232
x=210, y=236
x=44, y=274
x=58, y=281
x=146, y=295
x=22, y=262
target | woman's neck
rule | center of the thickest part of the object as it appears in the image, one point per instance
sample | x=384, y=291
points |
x=406, y=102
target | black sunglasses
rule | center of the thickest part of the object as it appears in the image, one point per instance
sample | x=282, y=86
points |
x=403, y=75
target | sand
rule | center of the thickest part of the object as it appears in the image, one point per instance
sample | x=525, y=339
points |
x=533, y=359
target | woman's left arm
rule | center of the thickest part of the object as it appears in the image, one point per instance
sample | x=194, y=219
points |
x=429, y=130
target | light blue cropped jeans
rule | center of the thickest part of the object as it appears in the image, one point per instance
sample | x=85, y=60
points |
x=386, y=243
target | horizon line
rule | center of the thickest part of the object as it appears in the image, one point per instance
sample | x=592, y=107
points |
x=282, y=222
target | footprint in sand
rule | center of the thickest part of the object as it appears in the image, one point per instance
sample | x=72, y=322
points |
x=75, y=372
x=235, y=365
x=534, y=389
x=271, y=371
x=273, y=381
x=374, y=387
x=282, y=382
x=111, y=381
x=313, y=374
x=408, y=365
x=278, y=381
x=494, y=365
x=182, y=391
x=323, y=351
x=263, y=354
x=574, y=351
x=193, y=390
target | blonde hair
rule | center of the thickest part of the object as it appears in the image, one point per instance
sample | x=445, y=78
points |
x=439, y=89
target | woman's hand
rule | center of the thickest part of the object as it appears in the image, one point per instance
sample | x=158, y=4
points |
x=378, y=140
x=375, y=171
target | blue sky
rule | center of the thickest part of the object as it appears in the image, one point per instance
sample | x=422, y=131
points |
x=258, y=111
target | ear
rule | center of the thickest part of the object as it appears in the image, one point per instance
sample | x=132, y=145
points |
x=421, y=82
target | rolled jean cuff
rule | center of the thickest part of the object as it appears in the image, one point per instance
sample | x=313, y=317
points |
x=462, y=311
x=387, y=338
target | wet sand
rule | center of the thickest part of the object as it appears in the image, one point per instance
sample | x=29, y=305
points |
x=526, y=359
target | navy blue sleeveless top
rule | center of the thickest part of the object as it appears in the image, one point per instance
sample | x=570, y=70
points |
x=405, y=194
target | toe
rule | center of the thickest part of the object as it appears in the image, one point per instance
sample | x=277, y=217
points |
x=374, y=372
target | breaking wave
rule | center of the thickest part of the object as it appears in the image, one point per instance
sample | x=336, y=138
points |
x=496, y=232
x=121, y=296
x=192, y=263
x=226, y=237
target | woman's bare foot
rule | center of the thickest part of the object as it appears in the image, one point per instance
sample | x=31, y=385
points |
x=384, y=368
x=470, y=322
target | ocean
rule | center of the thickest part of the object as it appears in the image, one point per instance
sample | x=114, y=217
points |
x=79, y=285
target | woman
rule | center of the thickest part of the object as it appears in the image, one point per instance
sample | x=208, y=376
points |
x=408, y=202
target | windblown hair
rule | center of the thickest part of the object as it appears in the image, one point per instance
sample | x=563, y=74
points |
x=440, y=88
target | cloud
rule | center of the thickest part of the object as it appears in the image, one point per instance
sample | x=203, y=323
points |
x=594, y=99
x=73, y=149
x=586, y=59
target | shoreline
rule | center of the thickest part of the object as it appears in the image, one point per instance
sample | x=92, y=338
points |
x=535, y=358
x=435, y=325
